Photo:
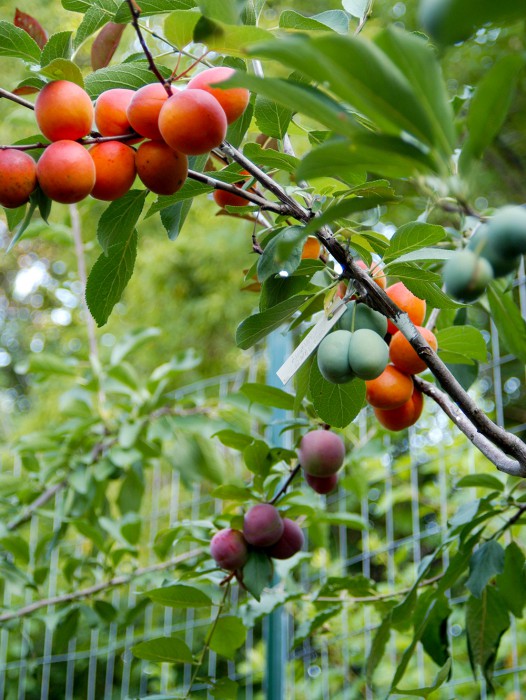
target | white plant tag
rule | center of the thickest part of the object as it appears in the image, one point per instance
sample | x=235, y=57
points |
x=307, y=346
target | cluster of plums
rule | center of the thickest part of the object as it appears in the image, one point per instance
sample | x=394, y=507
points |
x=264, y=530
x=493, y=251
x=192, y=121
x=321, y=454
x=358, y=349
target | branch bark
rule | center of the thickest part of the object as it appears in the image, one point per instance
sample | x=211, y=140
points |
x=98, y=587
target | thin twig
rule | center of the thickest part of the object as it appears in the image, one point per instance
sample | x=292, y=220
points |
x=98, y=587
x=380, y=596
x=84, y=142
x=208, y=639
x=227, y=187
x=136, y=13
x=35, y=505
x=286, y=484
x=16, y=98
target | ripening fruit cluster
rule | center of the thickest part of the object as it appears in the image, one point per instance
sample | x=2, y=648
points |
x=191, y=121
x=264, y=530
x=358, y=349
x=494, y=250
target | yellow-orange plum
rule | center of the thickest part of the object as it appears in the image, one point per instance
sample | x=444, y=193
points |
x=144, y=108
x=160, y=168
x=114, y=168
x=192, y=122
x=110, y=112
x=234, y=101
x=63, y=110
x=66, y=172
x=18, y=177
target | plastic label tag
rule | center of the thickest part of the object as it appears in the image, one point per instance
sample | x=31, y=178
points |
x=309, y=344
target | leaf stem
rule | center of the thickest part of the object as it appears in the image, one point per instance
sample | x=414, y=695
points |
x=135, y=14
x=208, y=639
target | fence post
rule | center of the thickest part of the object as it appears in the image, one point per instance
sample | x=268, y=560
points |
x=275, y=629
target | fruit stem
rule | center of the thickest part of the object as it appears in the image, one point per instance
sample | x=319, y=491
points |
x=286, y=484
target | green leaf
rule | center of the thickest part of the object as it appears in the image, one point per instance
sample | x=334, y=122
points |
x=95, y=18
x=120, y=218
x=58, y=45
x=231, y=492
x=426, y=254
x=309, y=626
x=484, y=481
x=356, y=8
x=345, y=207
x=489, y=106
x=189, y=190
x=179, y=27
x=270, y=158
x=268, y=396
x=153, y=7
x=130, y=342
x=257, y=573
x=229, y=39
x=381, y=637
x=332, y=19
x=335, y=404
x=300, y=98
x=229, y=634
x=418, y=62
x=511, y=582
x=434, y=637
x=17, y=43
x=228, y=12
x=486, y=621
x=282, y=253
x=63, y=69
x=257, y=326
x=231, y=438
x=272, y=118
x=109, y=276
x=163, y=649
x=179, y=596
x=258, y=458
x=425, y=692
x=348, y=520
x=359, y=73
x=237, y=130
x=485, y=564
x=126, y=75
x=413, y=236
x=507, y=317
x=48, y=364
x=77, y=5
x=388, y=156
x=404, y=271
x=432, y=293
x=465, y=341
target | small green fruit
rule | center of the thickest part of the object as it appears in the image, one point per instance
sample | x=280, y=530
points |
x=485, y=246
x=333, y=357
x=507, y=231
x=364, y=317
x=466, y=276
x=368, y=354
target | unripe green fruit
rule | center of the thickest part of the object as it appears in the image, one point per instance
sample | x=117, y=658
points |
x=333, y=357
x=466, y=276
x=368, y=354
x=507, y=231
x=364, y=317
x=483, y=245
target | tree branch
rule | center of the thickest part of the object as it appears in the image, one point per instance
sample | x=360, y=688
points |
x=286, y=484
x=98, y=587
x=481, y=442
x=227, y=187
x=35, y=505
